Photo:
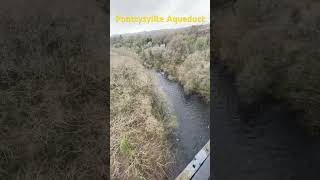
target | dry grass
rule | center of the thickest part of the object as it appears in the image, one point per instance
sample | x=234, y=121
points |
x=52, y=92
x=139, y=149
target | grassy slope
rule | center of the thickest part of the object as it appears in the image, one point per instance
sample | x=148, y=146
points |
x=138, y=131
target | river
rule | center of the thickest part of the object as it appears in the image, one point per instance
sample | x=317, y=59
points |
x=192, y=129
x=263, y=144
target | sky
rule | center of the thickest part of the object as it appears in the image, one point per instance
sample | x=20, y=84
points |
x=163, y=8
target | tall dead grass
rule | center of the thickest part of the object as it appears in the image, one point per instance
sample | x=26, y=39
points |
x=138, y=145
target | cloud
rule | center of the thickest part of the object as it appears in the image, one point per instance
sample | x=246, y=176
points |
x=155, y=8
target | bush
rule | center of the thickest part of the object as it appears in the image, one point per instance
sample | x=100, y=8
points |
x=194, y=73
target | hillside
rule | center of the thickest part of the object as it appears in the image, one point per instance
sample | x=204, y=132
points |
x=182, y=54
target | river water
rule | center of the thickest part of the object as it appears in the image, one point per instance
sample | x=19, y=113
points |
x=264, y=144
x=192, y=129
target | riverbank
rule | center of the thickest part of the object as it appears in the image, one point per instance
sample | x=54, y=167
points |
x=139, y=122
x=192, y=128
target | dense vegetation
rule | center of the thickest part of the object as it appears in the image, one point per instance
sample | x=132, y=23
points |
x=53, y=91
x=183, y=54
x=140, y=121
x=273, y=48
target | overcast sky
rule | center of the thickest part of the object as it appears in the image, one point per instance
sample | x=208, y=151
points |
x=155, y=8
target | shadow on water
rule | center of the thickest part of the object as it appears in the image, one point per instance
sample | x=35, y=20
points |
x=192, y=127
x=261, y=144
